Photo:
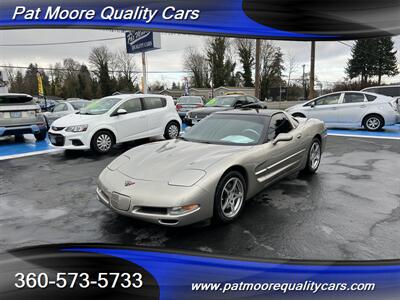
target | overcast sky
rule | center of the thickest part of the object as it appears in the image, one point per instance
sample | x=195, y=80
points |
x=331, y=57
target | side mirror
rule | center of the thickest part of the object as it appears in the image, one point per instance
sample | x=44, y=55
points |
x=282, y=137
x=312, y=104
x=121, y=111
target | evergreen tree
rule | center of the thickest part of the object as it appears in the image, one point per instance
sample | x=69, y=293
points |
x=216, y=59
x=245, y=51
x=386, y=58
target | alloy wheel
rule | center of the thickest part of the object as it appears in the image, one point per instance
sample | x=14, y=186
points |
x=173, y=131
x=104, y=142
x=315, y=155
x=232, y=197
x=373, y=123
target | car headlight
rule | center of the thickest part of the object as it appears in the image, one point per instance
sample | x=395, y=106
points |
x=76, y=128
x=180, y=210
x=187, y=177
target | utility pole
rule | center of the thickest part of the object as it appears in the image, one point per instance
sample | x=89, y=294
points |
x=257, y=75
x=312, y=71
x=144, y=69
x=304, y=83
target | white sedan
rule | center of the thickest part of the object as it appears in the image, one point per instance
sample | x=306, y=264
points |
x=350, y=109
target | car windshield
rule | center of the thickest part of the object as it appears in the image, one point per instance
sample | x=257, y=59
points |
x=77, y=105
x=228, y=129
x=189, y=100
x=99, y=107
x=222, y=101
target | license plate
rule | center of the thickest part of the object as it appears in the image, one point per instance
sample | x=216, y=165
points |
x=16, y=114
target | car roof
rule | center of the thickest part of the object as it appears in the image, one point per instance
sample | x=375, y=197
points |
x=382, y=86
x=15, y=95
x=130, y=96
x=250, y=111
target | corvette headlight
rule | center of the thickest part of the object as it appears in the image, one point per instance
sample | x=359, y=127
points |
x=180, y=210
x=187, y=177
x=76, y=128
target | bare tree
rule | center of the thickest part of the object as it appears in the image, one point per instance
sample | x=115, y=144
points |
x=126, y=66
x=197, y=64
x=291, y=67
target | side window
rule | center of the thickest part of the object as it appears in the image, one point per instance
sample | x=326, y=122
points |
x=370, y=97
x=154, y=102
x=251, y=99
x=132, y=105
x=353, y=98
x=60, y=107
x=279, y=124
x=327, y=100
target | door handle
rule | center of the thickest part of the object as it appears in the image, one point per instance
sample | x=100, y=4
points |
x=334, y=108
x=299, y=135
x=142, y=117
x=363, y=106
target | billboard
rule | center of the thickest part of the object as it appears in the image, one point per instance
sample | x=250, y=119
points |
x=141, y=41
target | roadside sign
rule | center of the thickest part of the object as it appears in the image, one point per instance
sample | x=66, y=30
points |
x=141, y=41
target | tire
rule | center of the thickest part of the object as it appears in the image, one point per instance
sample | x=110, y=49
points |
x=313, y=157
x=224, y=212
x=373, y=123
x=298, y=115
x=41, y=136
x=172, y=130
x=102, y=142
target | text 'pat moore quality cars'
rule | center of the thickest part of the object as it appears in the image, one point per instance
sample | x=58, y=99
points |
x=212, y=169
x=19, y=115
x=116, y=119
x=350, y=109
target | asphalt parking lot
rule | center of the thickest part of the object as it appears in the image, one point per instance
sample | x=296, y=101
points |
x=349, y=210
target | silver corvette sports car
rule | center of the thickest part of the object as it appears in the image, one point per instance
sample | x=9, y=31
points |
x=213, y=168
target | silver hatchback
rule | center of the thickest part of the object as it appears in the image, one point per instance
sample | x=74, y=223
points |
x=350, y=109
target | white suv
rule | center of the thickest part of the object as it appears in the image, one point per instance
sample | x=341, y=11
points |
x=116, y=119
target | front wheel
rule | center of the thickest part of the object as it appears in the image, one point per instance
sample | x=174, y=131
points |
x=172, y=130
x=102, y=142
x=314, y=157
x=229, y=197
x=373, y=123
x=40, y=136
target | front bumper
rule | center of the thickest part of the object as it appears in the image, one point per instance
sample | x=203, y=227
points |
x=150, y=201
x=69, y=140
x=27, y=129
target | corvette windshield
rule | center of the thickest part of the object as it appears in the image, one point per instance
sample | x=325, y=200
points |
x=99, y=107
x=222, y=101
x=228, y=129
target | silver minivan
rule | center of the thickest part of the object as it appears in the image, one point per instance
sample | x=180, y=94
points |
x=19, y=115
x=350, y=109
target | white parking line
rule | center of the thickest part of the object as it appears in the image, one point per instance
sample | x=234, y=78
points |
x=365, y=136
x=5, y=157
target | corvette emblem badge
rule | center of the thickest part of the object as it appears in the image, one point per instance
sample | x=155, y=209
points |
x=129, y=183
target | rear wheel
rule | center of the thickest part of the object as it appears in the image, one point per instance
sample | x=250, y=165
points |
x=40, y=136
x=314, y=157
x=373, y=123
x=102, y=142
x=172, y=130
x=229, y=197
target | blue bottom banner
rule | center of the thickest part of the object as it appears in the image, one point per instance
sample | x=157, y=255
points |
x=119, y=272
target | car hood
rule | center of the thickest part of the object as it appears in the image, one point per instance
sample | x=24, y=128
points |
x=162, y=161
x=75, y=119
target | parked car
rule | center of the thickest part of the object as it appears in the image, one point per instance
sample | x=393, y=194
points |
x=116, y=119
x=350, y=109
x=387, y=90
x=19, y=115
x=48, y=104
x=187, y=103
x=250, y=149
x=64, y=108
x=221, y=103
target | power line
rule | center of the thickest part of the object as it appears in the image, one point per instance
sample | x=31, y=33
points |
x=93, y=71
x=61, y=43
